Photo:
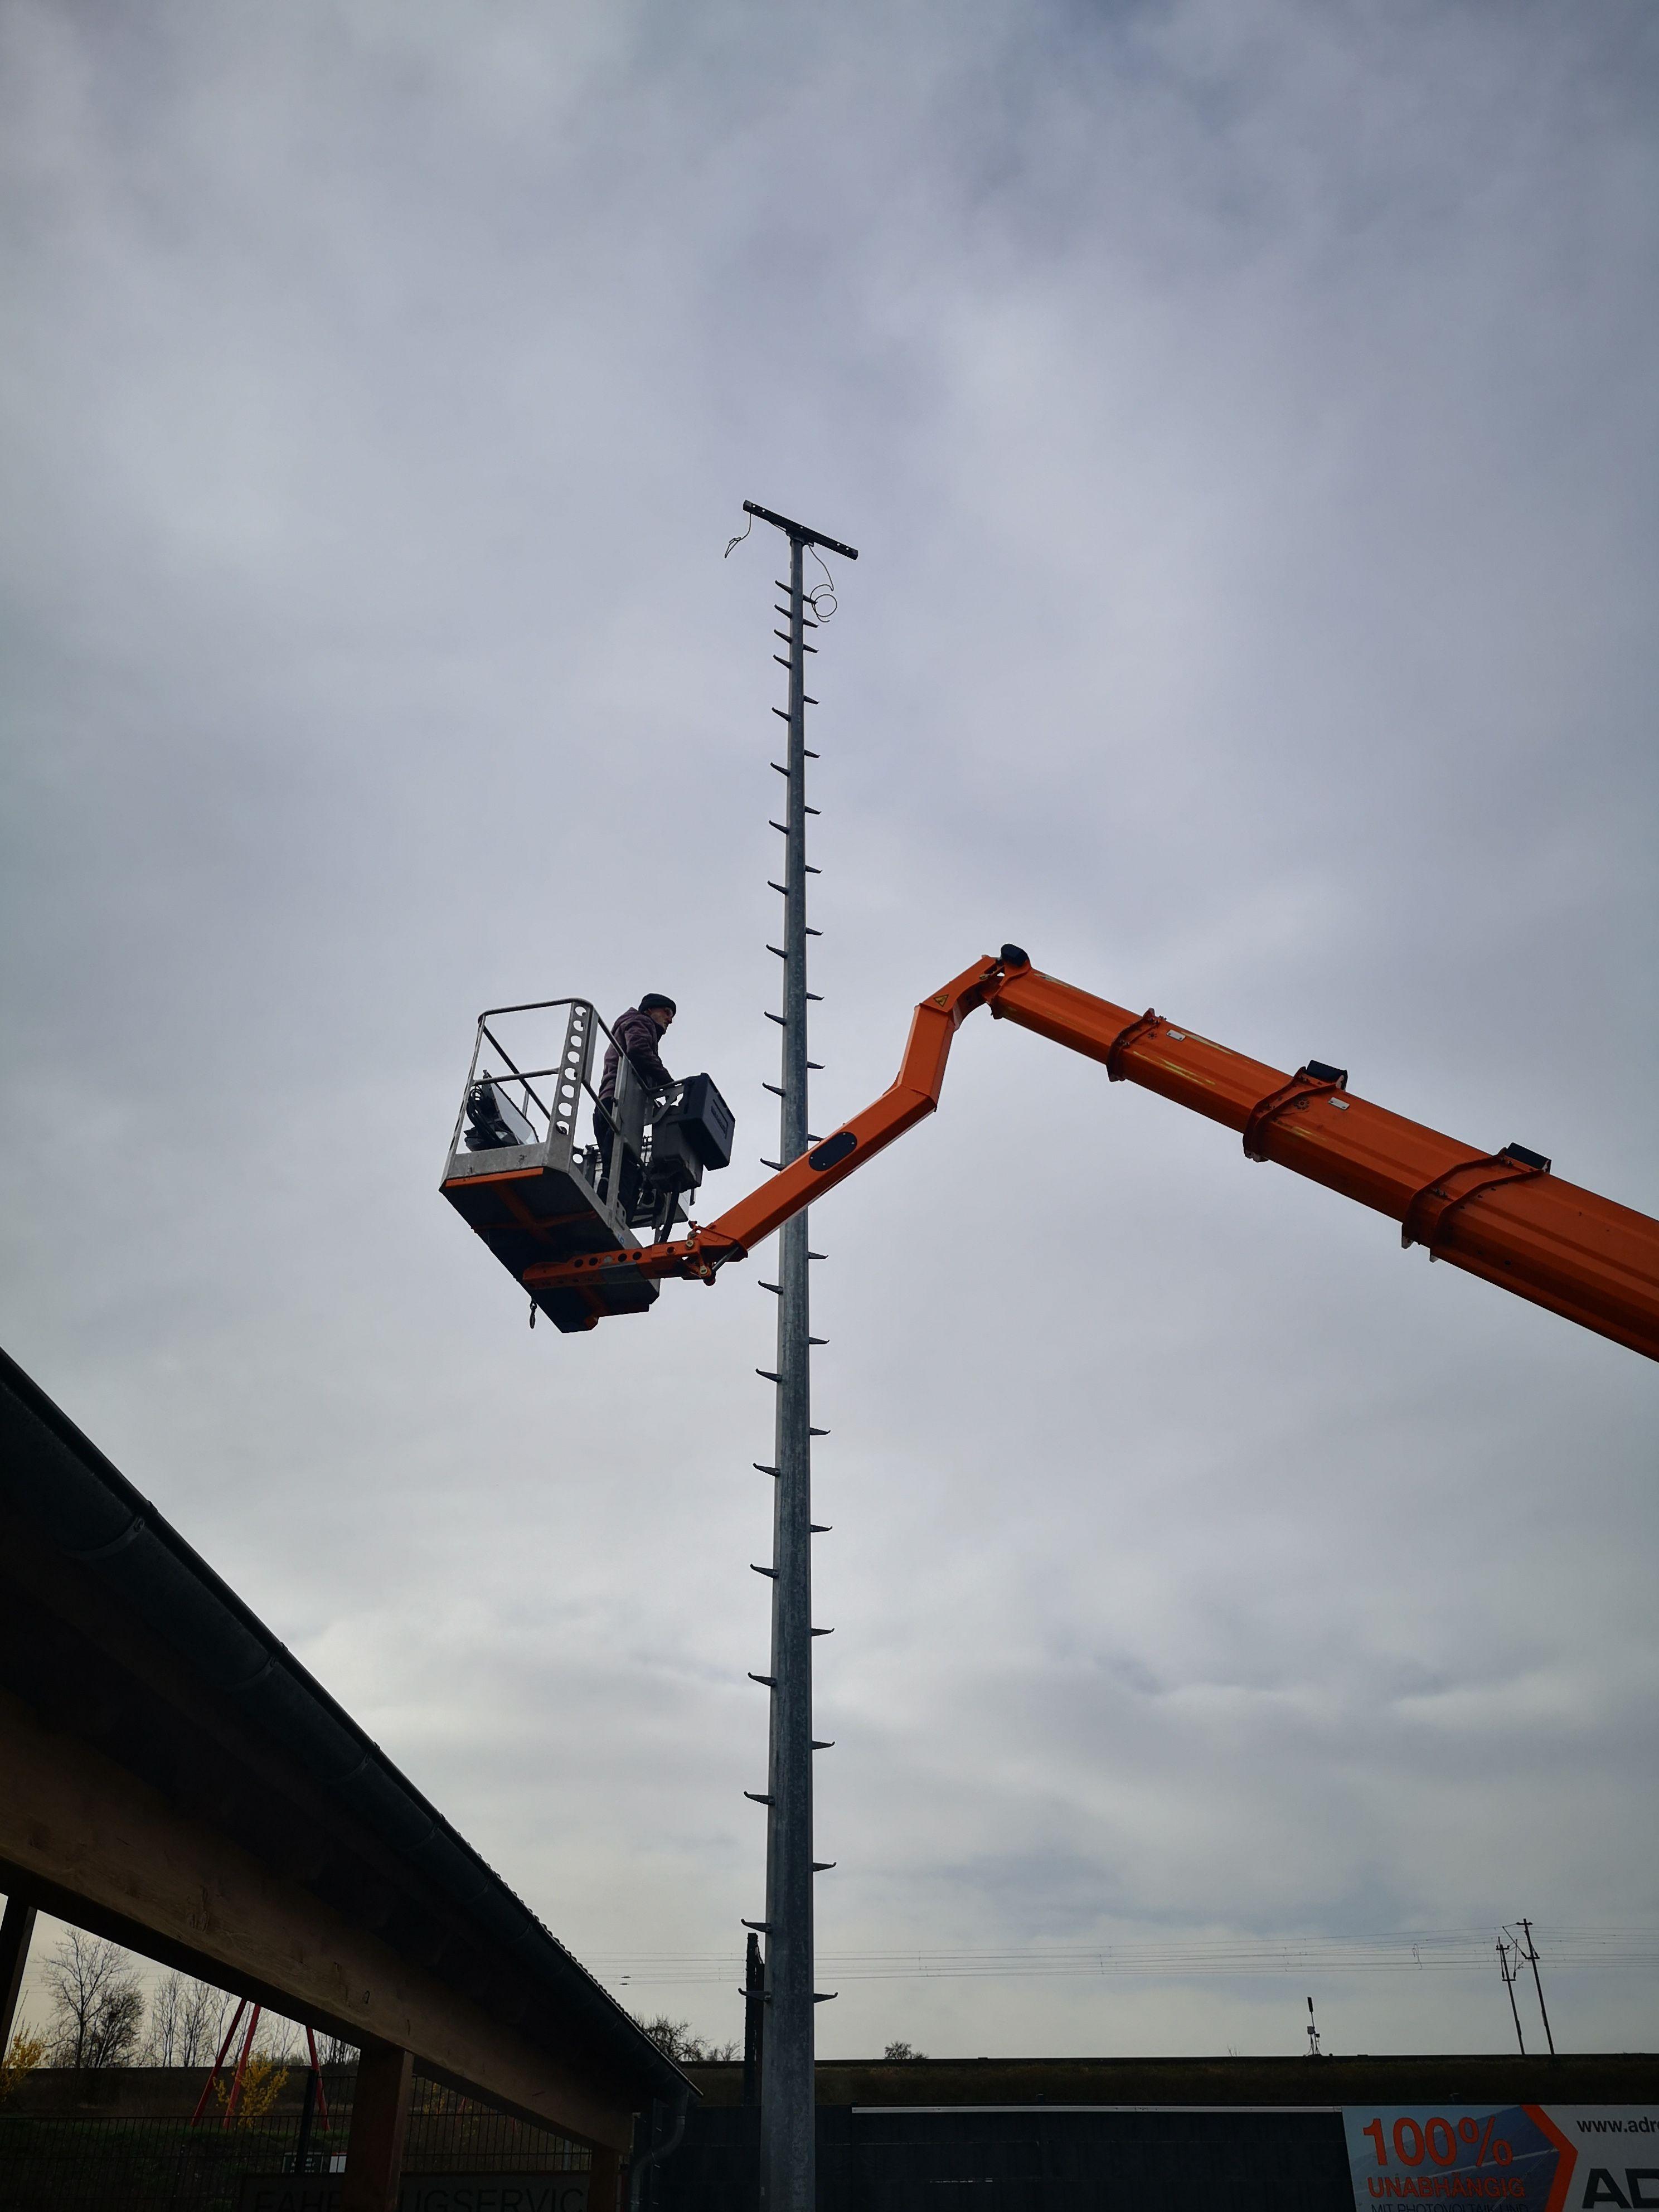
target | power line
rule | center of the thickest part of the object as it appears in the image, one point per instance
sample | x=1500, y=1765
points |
x=1426, y=1951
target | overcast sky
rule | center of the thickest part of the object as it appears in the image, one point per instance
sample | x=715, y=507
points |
x=1247, y=416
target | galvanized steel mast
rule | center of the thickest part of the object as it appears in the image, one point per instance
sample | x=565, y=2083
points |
x=787, y=2116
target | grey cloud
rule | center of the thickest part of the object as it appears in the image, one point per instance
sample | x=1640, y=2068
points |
x=1247, y=421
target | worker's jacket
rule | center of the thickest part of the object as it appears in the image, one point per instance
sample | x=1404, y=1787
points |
x=636, y=1035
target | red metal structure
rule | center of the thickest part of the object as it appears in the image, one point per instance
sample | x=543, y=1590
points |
x=235, y=2095
x=1501, y=1215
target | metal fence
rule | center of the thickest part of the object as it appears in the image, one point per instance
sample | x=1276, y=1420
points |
x=150, y=2163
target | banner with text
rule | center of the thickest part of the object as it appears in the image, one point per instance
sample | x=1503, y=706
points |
x=1544, y=2158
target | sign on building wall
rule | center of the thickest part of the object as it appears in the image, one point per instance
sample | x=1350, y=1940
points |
x=1544, y=2158
x=424, y=2193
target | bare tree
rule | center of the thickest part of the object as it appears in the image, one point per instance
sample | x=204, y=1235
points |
x=903, y=2050
x=162, y=2038
x=676, y=2040
x=281, y=2040
x=98, y=2006
x=186, y=2019
x=202, y=2024
x=335, y=2050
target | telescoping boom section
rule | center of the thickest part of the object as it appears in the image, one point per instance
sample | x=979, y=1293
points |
x=1501, y=1215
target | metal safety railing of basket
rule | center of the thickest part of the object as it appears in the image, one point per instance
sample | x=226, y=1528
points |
x=568, y=1078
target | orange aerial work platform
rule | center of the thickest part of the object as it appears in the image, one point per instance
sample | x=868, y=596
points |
x=1500, y=1214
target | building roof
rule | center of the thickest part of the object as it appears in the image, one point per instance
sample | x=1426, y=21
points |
x=1227, y=2083
x=247, y=1737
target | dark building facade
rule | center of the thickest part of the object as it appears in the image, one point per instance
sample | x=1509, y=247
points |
x=1063, y=2134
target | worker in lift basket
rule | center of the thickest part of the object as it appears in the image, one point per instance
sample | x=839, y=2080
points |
x=636, y=1033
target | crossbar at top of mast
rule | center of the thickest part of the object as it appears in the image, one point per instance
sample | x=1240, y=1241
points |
x=799, y=531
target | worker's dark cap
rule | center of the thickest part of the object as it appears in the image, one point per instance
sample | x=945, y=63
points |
x=656, y=998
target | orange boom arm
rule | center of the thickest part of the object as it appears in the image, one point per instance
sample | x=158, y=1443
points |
x=1500, y=1215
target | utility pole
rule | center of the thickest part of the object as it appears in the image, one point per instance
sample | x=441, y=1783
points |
x=1507, y=1966
x=788, y=2162
x=1528, y=1950
x=15, y=1929
x=754, y=2012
